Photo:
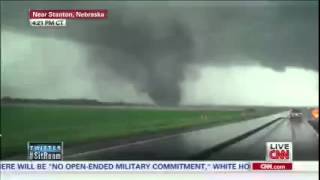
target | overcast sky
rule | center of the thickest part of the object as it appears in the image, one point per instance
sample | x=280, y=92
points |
x=237, y=53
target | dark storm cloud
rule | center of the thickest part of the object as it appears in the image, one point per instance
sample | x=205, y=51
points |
x=151, y=46
x=155, y=65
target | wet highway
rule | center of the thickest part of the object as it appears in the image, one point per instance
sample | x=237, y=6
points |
x=303, y=137
x=187, y=146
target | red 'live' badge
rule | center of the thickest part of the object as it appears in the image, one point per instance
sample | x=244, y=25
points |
x=279, y=151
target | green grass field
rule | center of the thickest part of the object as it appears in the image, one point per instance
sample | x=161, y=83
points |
x=75, y=125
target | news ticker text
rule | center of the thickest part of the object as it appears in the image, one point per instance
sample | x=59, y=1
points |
x=145, y=166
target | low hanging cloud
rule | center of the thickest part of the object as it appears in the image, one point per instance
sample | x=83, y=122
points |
x=252, y=85
x=154, y=46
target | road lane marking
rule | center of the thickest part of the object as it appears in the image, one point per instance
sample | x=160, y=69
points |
x=157, y=139
x=312, y=129
x=147, y=141
x=120, y=146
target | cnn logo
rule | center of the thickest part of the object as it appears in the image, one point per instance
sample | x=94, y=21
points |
x=279, y=151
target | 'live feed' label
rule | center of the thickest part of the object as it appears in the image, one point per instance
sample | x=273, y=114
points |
x=279, y=151
x=278, y=156
x=45, y=151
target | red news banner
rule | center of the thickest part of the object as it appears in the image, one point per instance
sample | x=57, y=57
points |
x=271, y=166
x=58, y=17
